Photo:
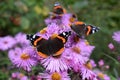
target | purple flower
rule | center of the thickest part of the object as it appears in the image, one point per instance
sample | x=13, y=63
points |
x=101, y=62
x=85, y=48
x=111, y=46
x=118, y=58
x=22, y=58
x=87, y=74
x=20, y=76
x=66, y=19
x=103, y=76
x=51, y=29
x=92, y=62
x=53, y=64
x=116, y=36
x=6, y=42
x=55, y=76
x=21, y=39
x=118, y=78
x=74, y=58
x=15, y=74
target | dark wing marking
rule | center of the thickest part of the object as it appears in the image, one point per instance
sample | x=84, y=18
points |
x=58, y=11
x=42, y=46
x=79, y=29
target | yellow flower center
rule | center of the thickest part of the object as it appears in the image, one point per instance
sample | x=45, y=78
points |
x=72, y=19
x=53, y=36
x=88, y=65
x=76, y=49
x=25, y=56
x=43, y=31
x=86, y=42
x=21, y=75
x=56, y=76
x=101, y=75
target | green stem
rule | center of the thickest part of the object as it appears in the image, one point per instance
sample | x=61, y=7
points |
x=112, y=58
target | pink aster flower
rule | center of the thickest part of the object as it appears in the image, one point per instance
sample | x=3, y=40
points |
x=118, y=58
x=55, y=76
x=53, y=64
x=71, y=40
x=56, y=19
x=89, y=48
x=14, y=53
x=93, y=63
x=85, y=48
x=21, y=38
x=14, y=75
x=88, y=74
x=22, y=58
x=102, y=75
x=116, y=36
x=74, y=58
x=66, y=19
x=51, y=29
x=20, y=76
x=118, y=78
x=107, y=66
x=111, y=46
x=101, y=62
x=6, y=42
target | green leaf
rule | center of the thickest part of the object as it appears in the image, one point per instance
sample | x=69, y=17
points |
x=25, y=23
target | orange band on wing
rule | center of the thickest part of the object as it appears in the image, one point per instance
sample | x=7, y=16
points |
x=57, y=7
x=61, y=39
x=59, y=52
x=42, y=55
x=64, y=10
x=35, y=42
x=89, y=29
x=79, y=23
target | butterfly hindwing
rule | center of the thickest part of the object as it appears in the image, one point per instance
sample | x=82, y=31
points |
x=79, y=29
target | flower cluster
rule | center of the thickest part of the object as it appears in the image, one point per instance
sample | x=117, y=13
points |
x=75, y=58
x=19, y=51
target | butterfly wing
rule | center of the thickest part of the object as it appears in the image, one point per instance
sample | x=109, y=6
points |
x=79, y=29
x=42, y=48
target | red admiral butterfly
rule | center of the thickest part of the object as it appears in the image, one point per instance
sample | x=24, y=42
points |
x=58, y=9
x=53, y=46
x=81, y=29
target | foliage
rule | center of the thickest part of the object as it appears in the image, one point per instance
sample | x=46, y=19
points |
x=28, y=16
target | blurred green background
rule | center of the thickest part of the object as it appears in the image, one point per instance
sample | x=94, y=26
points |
x=28, y=16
